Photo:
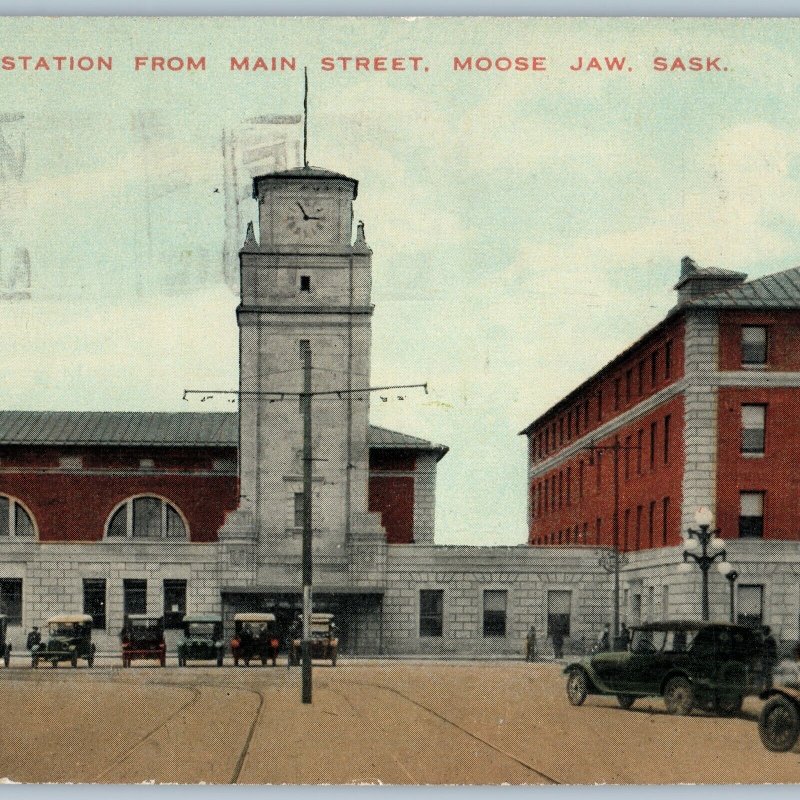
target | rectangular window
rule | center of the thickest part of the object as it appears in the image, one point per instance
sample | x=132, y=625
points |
x=751, y=514
x=174, y=603
x=668, y=360
x=585, y=537
x=298, y=509
x=753, y=425
x=494, y=612
x=546, y=506
x=599, y=473
x=569, y=424
x=11, y=599
x=599, y=405
x=586, y=414
x=667, y=420
x=639, y=448
x=560, y=487
x=94, y=601
x=617, y=391
x=580, y=480
x=553, y=493
x=134, y=596
x=654, y=368
x=754, y=344
x=431, y=612
x=627, y=459
x=305, y=283
x=639, y=511
x=640, y=380
x=750, y=604
x=626, y=527
x=598, y=530
x=561, y=431
x=653, y=434
x=628, y=384
x=651, y=524
x=569, y=486
x=664, y=519
x=559, y=612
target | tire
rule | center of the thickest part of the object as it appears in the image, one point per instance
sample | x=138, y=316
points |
x=679, y=696
x=626, y=700
x=728, y=705
x=779, y=724
x=577, y=687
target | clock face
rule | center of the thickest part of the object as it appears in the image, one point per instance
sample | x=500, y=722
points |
x=305, y=219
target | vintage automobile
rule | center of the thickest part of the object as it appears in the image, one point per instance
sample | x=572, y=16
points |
x=324, y=642
x=5, y=647
x=143, y=638
x=69, y=637
x=255, y=637
x=711, y=666
x=202, y=639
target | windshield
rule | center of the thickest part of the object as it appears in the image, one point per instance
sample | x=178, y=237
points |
x=65, y=629
x=201, y=630
x=144, y=631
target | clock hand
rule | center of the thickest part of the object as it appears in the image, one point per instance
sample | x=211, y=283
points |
x=305, y=216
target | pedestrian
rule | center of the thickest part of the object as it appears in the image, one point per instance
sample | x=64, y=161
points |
x=769, y=654
x=558, y=644
x=624, y=637
x=530, y=645
x=604, y=641
x=34, y=638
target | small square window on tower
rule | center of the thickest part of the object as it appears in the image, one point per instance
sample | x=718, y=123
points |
x=305, y=283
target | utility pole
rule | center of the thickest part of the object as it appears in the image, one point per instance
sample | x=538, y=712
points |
x=307, y=561
x=307, y=554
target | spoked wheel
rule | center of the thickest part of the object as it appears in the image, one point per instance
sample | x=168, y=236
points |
x=779, y=724
x=625, y=700
x=577, y=687
x=679, y=696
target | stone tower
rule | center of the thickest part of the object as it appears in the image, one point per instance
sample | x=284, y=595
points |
x=304, y=280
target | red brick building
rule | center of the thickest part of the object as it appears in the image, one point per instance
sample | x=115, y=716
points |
x=702, y=410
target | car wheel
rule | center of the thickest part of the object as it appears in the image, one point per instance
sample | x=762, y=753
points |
x=577, y=687
x=728, y=705
x=679, y=696
x=625, y=700
x=779, y=724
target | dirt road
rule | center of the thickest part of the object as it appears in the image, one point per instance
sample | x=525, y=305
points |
x=377, y=721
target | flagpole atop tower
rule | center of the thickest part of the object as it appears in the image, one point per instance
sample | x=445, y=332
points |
x=305, y=117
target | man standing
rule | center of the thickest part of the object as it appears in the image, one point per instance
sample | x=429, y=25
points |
x=530, y=647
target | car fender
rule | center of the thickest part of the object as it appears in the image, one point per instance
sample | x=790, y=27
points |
x=787, y=691
x=594, y=686
x=675, y=673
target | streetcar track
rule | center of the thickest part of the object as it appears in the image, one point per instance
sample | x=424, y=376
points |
x=243, y=755
x=511, y=756
x=131, y=750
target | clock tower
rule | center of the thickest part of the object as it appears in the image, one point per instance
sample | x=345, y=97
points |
x=305, y=282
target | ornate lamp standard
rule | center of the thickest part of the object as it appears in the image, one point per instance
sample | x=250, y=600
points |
x=702, y=537
x=728, y=572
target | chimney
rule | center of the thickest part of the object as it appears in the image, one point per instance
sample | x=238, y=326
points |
x=696, y=282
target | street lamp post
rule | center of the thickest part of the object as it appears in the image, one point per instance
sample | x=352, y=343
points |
x=703, y=537
x=730, y=574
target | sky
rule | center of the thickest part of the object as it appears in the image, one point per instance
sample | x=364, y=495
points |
x=525, y=226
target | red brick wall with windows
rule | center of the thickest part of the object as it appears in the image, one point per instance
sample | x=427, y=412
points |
x=74, y=505
x=776, y=472
x=645, y=481
x=658, y=362
x=391, y=492
x=783, y=339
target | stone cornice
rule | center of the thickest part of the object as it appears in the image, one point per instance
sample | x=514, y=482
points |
x=242, y=310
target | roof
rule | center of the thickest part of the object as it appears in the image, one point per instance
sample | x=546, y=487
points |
x=383, y=438
x=778, y=291
x=125, y=428
x=253, y=617
x=202, y=618
x=304, y=173
x=70, y=618
x=154, y=428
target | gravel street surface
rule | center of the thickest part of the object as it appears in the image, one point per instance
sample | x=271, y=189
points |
x=397, y=722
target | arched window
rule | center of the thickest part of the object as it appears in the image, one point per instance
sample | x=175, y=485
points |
x=15, y=519
x=146, y=518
